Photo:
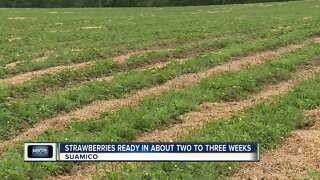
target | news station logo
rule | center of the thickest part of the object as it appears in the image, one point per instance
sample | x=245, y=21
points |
x=40, y=151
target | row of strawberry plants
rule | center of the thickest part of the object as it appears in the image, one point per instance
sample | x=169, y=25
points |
x=17, y=114
x=128, y=122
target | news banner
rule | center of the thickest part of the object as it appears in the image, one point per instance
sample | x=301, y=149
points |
x=173, y=151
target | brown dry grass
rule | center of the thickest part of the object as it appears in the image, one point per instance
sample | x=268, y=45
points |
x=11, y=65
x=29, y=75
x=91, y=27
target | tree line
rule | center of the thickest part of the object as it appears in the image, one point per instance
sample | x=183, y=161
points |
x=118, y=3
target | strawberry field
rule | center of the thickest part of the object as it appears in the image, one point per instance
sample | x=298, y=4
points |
x=229, y=73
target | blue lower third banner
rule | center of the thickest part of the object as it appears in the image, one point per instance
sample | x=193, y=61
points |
x=175, y=151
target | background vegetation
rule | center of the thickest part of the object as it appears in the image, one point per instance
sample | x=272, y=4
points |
x=119, y=3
